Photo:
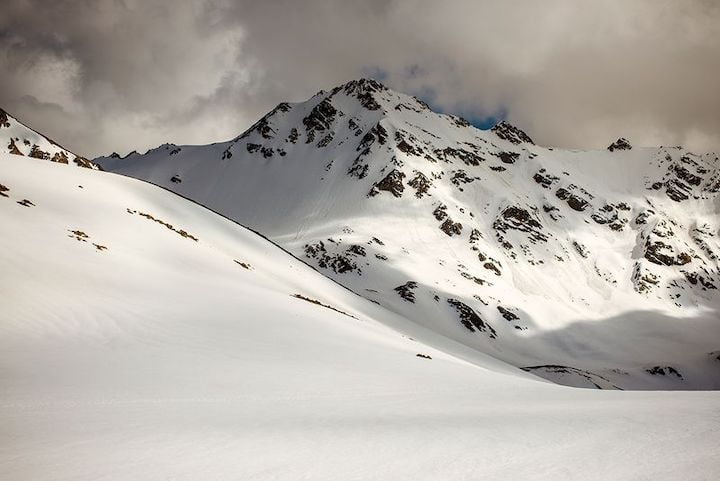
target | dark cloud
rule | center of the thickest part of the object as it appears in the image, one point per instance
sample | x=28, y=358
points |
x=103, y=75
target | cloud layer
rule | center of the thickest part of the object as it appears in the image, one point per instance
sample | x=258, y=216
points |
x=117, y=75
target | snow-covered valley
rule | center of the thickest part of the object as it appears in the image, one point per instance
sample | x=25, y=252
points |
x=132, y=351
x=396, y=323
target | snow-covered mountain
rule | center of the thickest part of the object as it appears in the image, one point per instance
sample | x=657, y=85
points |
x=144, y=337
x=19, y=139
x=589, y=268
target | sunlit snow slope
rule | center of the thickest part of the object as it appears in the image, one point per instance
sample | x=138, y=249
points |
x=144, y=337
x=589, y=268
x=19, y=139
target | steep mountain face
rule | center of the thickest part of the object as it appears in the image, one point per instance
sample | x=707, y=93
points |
x=589, y=268
x=18, y=139
x=145, y=337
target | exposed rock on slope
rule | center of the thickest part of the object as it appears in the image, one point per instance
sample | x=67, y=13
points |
x=18, y=139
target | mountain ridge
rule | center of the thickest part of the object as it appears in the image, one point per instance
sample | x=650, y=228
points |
x=482, y=236
x=18, y=139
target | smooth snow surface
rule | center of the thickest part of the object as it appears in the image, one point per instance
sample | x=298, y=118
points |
x=135, y=347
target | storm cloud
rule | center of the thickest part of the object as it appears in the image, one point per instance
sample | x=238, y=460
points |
x=118, y=75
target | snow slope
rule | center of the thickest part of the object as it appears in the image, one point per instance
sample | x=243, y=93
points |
x=589, y=268
x=19, y=139
x=145, y=337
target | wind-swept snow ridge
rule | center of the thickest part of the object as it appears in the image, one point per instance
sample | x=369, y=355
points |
x=589, y=268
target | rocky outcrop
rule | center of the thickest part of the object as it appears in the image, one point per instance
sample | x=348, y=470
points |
x=319, y=119
x=406, y=291
x=619, y=144
x=519, y=219
x=393, y=183
x=420, y=183
x=509, y=132
x=470, y=319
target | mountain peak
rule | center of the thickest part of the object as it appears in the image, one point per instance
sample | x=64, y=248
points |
x=363, y=89
x=506, y=131
x=363, y=85
x=418, y=211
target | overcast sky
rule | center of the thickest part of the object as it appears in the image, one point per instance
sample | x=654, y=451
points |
x=117, y=75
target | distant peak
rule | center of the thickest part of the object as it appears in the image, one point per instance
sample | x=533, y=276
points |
x=620, y=144
x=509, y=132
x=363, y=89
x=364, y=84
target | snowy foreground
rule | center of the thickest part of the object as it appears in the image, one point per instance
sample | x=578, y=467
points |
x=146, y=338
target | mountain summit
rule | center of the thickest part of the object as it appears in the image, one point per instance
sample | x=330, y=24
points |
x=588, y=268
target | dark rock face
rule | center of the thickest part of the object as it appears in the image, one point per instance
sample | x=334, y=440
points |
x=406, y=291
x=517, y=218
x=357, y=250
x=451, y=228
x=85, y=163
x=581, y=249
x=689, y=176
x=376, y=134
x=39, y=154
x=684, y=174
x=440, y=212
x=492, y=267
x=319, y=119
x=470, y=319
x=60, y=157
x=325, y=140
x=508, y=157
x=695, y=278
x=509, y=132
x=544, y=179
x=660, y=253
x=393, y=183
x=605, y=214
x=420, y=183
x=460, y=177
x=664, y=371
x=507, y=314
x=677, y=191
x=643, y=280
x=4, y=119
x=407, y=145
x=359, y=167
x=364, y=90
x=340, y=263
x=12, y=148
x=574, y=201
x=466, y=156
x=619, y=144
x=293, y=136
